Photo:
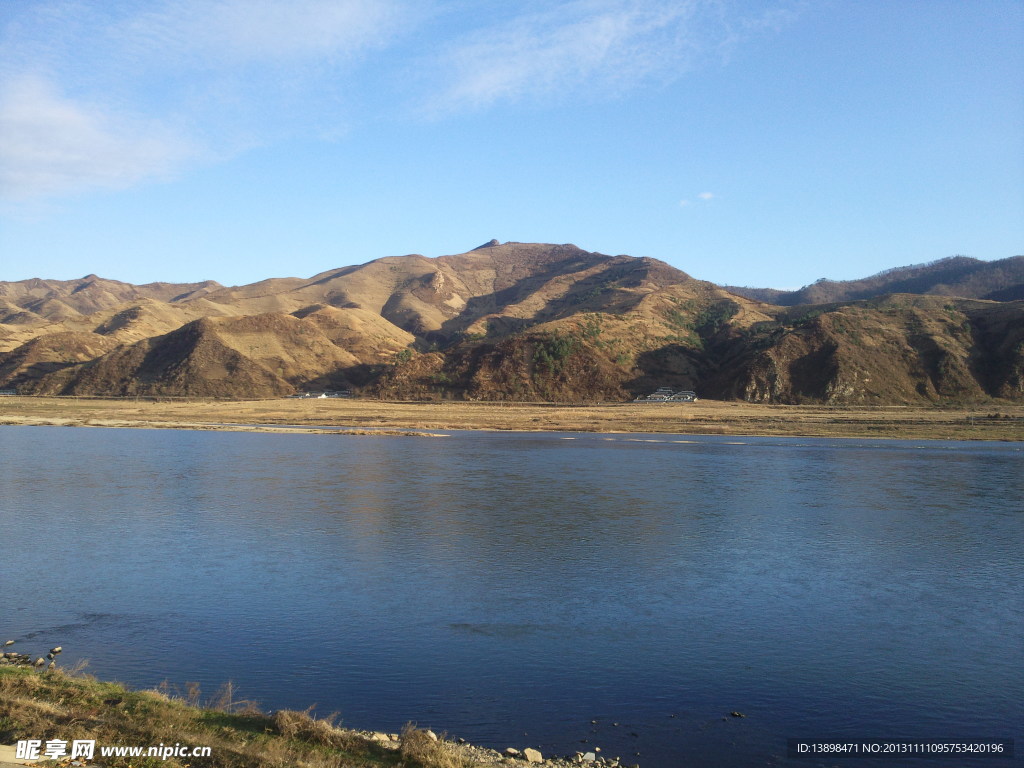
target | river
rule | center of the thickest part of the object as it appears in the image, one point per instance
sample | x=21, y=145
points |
x=528, y=589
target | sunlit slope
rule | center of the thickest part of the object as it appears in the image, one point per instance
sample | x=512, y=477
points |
x=961, y=276
x=512, y=321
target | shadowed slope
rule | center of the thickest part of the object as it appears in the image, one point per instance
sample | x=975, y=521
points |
x=519, y=321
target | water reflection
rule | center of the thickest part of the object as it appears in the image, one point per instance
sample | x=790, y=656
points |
x=491, y=585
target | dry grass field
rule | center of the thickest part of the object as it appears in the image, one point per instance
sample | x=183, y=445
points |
x=47, y=705
x=983, y=422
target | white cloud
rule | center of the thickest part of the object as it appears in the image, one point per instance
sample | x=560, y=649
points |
x=703, y=197
x=108, y=95
x=241, y=31
x=603, y=46
x=51, y=145
x=114, y=93
x=552, y=50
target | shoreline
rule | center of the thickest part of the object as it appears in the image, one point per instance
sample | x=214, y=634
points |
x=205, y=427
x=47, y=703
x=986, y=421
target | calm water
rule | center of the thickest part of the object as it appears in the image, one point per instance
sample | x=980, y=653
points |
x=499, y=585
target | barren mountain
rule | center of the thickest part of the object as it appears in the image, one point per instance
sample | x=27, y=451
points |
x=29, y=301
x=513, y=321
x=960, y=276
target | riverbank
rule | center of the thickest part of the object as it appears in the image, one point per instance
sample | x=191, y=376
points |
x=54, y=707
x=358, y=416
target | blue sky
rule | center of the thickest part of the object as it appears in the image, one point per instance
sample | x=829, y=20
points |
x=750, y=142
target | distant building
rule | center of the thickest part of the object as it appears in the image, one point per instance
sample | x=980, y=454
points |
x=684, y=396
x=668, y=395
x=322, y=395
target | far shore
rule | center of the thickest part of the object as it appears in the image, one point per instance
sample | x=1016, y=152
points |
x=986, y=421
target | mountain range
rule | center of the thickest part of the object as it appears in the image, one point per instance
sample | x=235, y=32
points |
x=526, y=321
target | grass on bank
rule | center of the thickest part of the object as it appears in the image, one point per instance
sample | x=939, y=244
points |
x=53, y=704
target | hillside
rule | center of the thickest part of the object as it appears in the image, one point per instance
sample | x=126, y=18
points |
x=960, y=276
x=518, y=321
x=29, y=301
